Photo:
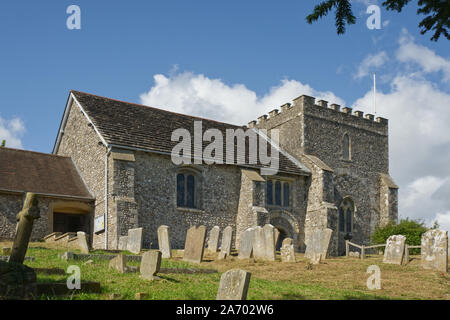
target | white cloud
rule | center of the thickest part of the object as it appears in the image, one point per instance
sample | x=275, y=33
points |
x=196, y=94
x=370, y=63
x=428, y=60
x=12, y=131
x=444, y=220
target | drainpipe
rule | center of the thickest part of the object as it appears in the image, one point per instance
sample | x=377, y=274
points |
x=106, y=197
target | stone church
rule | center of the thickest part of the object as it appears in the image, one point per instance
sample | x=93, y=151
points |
x=111, y=170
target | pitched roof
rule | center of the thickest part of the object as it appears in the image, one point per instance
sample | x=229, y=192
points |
x=41, y=173
x=150, y=129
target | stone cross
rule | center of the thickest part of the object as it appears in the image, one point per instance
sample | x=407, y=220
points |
x=134, y=240
x=318, y=242
x=226, y=243
x=195, y=244
x=269, y=238
x=434, y=250
x=164, y=242
x=213, y=241
x=234, y=285
x=395, y=249
x=119, y=263
x=287, y=250
x=150, y=264
x=25, y=220
x=246, y=247
x=82, y=242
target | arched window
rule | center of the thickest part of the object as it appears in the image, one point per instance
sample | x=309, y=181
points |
x=346, y=147
x=286, y=194
x=269, y=192
x=186, y=193
x=278, y=193
x=346, y=212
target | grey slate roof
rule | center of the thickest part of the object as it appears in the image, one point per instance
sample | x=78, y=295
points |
x=150, y=129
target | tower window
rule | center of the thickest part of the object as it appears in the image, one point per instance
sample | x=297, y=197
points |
x=346, y=147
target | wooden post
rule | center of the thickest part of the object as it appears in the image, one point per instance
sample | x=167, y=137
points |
x=347, y=248
x=363, y=252
x=406, y=256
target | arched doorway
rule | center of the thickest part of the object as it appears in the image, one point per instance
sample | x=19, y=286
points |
x=346, y=217
x=282, y=234
x=287, y=227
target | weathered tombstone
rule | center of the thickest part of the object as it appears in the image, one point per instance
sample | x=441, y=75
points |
x=25, y=220
x=134, y=240
x=246, y=247
x=234, y=285
x=82, y=242
x=150, y=264
x=395, y=249
x=316, y=258
x=123, y=242
x=318, y=241
x=195, y=244
x=434, y=250
x=287, y=250
x=118, y=263
x=269, y=235
x=164, y=242
x=227, y=237
x=259, y=247
x=213, y=241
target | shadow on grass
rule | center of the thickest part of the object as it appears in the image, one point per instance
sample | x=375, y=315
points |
x=291, y=296
x=363, y=297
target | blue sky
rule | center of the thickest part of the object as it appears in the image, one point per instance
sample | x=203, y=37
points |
x=215, y=58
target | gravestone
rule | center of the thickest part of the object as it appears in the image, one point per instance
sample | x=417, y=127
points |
x=150, y=264
x=259, y=248
x=269, y=239
x=213, y=241
x=287, y=250
x=123, y=242
x=395, y=249
x=195, y=244
x=82, y=242
x=246, y=247
x=225, y=249
x=318, y=241
x=316, y=258
x=25, y=220
x=434, y=250
x=134, y=240
x=164, y=242
x=234, y=285
x=118, y=263
x=276, y=236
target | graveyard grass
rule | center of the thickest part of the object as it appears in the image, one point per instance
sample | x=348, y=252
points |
x=336, y=278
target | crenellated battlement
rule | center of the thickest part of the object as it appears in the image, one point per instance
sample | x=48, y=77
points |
x=306, y=104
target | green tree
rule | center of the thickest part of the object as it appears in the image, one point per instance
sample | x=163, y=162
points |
x=437, y=14
x=3, y=143
x=411, y=229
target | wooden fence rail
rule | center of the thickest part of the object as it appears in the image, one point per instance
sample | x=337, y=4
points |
x=362, y=247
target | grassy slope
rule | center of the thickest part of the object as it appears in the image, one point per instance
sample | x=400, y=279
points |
x=336, y=278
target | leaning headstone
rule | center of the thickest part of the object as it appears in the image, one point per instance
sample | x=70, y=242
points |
x=287, y=250
x=134, y=240
x=246, y=247
x=227, y=237
x=269, y=235
x=234, y=285
x=123, y=242
x=195, y=244
x=118, y=263
x=434, y=250
x=25, y=220
x=213, y=241
x=82, y=242
x=259, y=247
x=150, y=264
x=395, y=249
x=164, y=242
x=318, y=241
